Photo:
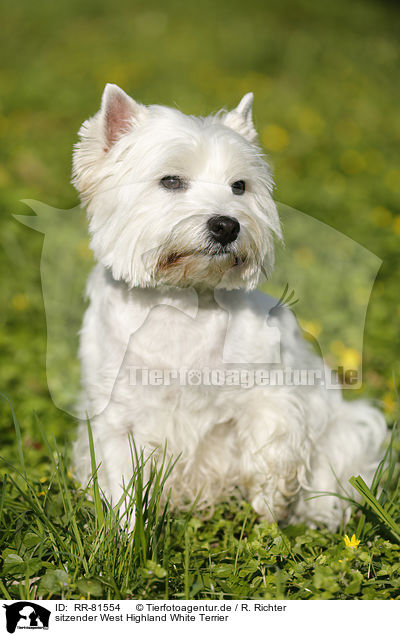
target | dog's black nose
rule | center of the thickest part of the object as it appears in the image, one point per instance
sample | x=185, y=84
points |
x=223, y=229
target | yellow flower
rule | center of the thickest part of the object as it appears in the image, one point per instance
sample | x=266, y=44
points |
x=337, y=347
x=20, y=302
x=390, y=404
x=84, y=251
x=381, y=216
x=311, y=326
x=396, y=223
x=350, y=358
x=351, y=543
x=275, y=138
x=304, y=256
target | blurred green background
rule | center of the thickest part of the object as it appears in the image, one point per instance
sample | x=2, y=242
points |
x=326, y=78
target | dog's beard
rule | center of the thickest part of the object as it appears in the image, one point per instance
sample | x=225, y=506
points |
x=206, y=267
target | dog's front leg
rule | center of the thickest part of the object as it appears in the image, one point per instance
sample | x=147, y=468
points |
x=118, y=460
x=275, y=451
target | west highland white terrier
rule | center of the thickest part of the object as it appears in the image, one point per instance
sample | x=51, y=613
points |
x=182, y=224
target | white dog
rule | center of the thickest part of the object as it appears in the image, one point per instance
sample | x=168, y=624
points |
x=182, y=222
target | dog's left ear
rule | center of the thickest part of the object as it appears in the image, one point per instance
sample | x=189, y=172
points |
x=240, y=118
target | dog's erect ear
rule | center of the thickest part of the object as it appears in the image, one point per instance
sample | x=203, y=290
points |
x=240, y=118
x=120, y=112
x=245, y=107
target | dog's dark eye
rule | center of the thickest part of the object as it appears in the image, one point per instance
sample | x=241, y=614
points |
x=173, y=183
x=238, y=187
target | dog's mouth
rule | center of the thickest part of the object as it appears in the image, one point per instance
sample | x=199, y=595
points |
x=203, y=267
x=221, y=254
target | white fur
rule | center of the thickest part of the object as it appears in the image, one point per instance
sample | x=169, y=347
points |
x=161, y=298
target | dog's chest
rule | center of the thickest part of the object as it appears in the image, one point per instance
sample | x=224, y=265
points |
x=172, y=330
x=151, y=349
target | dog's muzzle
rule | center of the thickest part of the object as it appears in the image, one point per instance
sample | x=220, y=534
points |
x=223, y=229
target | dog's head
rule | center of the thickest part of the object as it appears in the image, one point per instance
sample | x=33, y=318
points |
x=175, y=199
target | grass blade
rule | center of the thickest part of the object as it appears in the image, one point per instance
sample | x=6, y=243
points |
x=96, y=489
x=17, y=433
x=359, y=484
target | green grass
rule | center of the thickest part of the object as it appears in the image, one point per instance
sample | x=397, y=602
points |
x=61, y=544
x=327, y=89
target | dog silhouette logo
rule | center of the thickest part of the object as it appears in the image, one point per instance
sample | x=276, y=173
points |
x=26, y=615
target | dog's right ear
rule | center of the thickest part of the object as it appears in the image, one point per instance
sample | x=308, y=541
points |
x=118, y=114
